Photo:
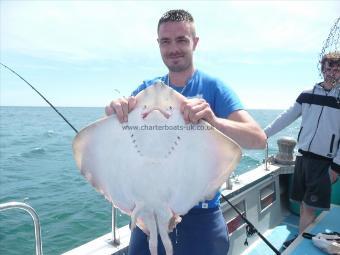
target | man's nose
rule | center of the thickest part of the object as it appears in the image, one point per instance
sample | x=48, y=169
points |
x=173, y=47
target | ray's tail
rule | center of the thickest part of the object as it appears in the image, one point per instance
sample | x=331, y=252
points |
x=155, y=223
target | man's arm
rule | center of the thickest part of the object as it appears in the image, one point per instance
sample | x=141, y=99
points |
x=283, y=120
x=239, y=125
x=242, y=128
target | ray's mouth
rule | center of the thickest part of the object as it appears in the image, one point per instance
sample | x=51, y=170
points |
x=164, y=113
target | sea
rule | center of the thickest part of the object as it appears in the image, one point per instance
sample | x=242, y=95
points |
x=37, y=168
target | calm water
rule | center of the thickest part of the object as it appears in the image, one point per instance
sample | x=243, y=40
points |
x=37, y=167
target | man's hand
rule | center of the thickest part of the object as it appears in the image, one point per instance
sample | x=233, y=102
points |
x=121, y=107
x=195, y=109
x=333, y=175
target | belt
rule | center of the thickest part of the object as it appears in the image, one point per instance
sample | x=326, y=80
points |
x=309, y=154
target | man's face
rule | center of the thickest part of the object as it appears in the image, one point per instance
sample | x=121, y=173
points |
x=331, y=71
x=177, y=43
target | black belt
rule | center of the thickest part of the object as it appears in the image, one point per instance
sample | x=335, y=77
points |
x=309, y=154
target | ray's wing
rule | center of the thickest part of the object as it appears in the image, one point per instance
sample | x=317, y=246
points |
x=197, y=177
x=179, y=167
x=102, y=152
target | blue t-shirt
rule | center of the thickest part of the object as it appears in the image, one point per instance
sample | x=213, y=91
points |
x=221, y=98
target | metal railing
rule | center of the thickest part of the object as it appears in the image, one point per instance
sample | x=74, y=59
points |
x=266, y=161
x=35, y=218
x=115, y=230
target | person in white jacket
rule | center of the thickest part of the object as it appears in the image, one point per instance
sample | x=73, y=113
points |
x=318, y=160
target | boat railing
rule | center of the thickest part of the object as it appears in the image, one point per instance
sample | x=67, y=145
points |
x=36, y=222
x=266, y=159
x=285, y=156
x=115, y=230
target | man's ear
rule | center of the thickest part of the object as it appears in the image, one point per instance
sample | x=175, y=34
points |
x=196, y=39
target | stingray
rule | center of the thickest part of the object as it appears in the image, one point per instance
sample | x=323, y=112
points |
x=155, y=167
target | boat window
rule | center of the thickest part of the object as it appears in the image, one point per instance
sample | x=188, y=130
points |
x=233, y=220
x=267, y=196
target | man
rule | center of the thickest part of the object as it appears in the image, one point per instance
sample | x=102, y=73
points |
x=203, y=230
x=318, y=141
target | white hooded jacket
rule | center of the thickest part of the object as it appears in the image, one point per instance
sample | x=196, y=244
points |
x=320, y=126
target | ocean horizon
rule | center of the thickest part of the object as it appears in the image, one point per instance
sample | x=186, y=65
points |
x=37, y=167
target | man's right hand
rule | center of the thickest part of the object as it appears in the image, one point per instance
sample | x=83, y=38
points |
x=121, y=107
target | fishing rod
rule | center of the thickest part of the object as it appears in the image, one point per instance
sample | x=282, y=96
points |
x=55, y=109
x=252, y=228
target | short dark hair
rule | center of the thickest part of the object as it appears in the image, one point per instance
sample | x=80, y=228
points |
x=178, y=15
x=332, y=57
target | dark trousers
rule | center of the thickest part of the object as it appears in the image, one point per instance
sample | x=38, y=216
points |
x=312, y=182
x=201, y=232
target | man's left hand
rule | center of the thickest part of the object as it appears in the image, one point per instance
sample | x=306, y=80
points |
x=195, y=109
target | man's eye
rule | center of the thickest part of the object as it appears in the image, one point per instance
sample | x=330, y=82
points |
x=182, y=40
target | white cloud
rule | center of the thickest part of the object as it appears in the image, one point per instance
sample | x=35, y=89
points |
x=82, y=29
x=254, y=26
x=85, y=30
x=94, y=47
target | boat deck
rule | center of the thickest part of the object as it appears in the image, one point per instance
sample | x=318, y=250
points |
x=286, y=230
x=326, y=221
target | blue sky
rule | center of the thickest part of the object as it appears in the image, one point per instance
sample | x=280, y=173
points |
x=79, y=53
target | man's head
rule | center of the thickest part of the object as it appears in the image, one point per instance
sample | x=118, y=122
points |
x=330, y=67
x=177, y=16
x=177, y=40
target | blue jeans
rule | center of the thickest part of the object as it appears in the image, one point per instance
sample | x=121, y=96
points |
x=201, y=232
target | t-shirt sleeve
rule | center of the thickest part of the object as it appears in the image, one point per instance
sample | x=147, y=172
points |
x=226, y=101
